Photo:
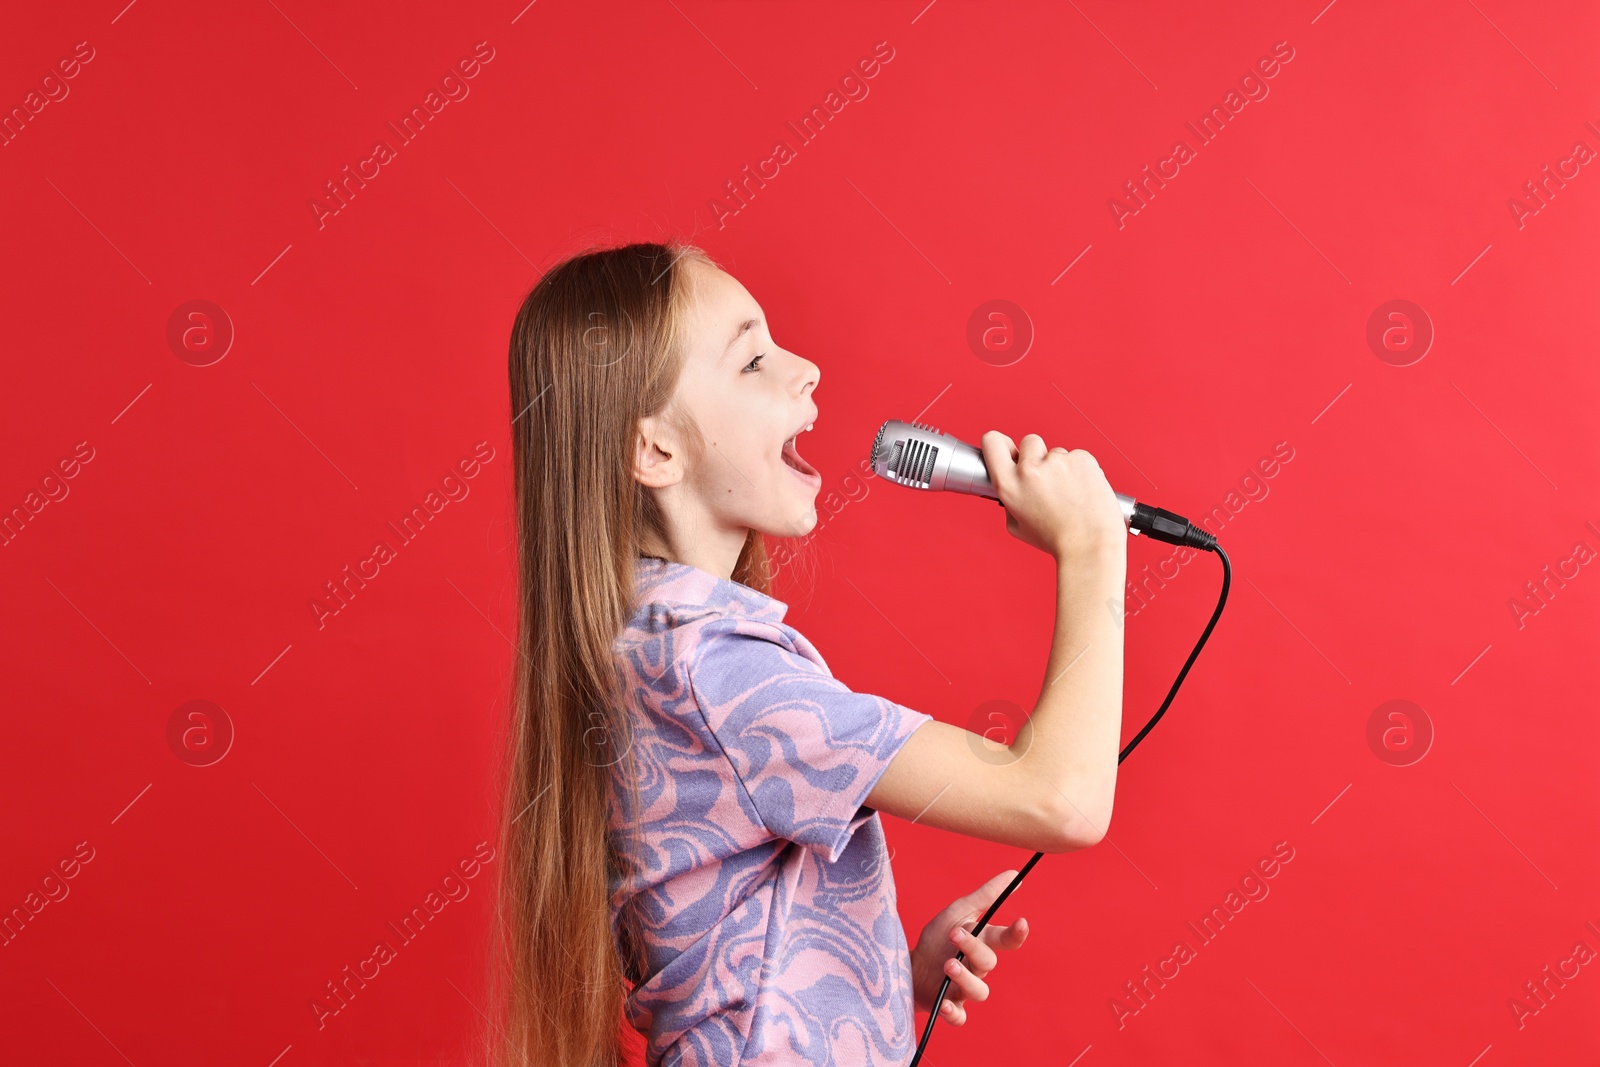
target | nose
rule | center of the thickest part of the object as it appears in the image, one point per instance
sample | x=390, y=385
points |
x=807, y=375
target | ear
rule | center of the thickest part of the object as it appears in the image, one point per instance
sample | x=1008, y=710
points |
x=656, y=461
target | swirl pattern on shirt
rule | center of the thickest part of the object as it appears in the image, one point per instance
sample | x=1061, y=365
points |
x=762, y=884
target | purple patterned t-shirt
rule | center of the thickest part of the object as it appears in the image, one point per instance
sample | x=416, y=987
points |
x=767, y=901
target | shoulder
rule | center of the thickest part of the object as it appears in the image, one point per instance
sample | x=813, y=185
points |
x=694, y=620
x=734, y=649
x=695, y=631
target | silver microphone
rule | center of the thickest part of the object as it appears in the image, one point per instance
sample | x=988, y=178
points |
x=916, y=455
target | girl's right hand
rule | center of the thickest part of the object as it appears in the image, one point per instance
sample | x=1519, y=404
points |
x=1057, y=500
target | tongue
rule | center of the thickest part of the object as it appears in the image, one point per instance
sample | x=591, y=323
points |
x=792, y=457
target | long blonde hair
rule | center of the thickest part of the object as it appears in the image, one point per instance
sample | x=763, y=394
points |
x=597, y=345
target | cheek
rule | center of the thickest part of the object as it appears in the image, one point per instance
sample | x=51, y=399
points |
x=759, y=442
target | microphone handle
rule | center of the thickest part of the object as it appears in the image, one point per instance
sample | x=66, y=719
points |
x=1158, y=524
x=962, y=470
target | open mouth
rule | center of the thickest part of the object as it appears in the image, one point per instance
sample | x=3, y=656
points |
x=797, y=462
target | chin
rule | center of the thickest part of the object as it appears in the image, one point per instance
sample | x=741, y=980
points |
x=801, y=524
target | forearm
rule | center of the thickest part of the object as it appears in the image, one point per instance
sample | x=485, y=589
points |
x=1073, y=735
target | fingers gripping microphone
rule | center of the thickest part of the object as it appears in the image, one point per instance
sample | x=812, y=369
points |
x=917, y=455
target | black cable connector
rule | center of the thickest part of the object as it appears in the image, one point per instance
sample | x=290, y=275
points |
x=1160, y=524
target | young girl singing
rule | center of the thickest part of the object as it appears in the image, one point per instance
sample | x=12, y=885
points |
x=691, y=833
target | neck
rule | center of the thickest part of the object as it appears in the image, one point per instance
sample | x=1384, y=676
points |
x=714, y=555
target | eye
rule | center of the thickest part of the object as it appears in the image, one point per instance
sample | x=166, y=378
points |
x=754, y=363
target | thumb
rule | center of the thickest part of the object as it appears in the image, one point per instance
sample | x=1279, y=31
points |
x=978, y=901
x=999, y=457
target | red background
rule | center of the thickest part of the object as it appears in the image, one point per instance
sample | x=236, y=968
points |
x=1227, y=315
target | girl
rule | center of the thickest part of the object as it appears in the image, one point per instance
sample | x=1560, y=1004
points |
x=690, y=828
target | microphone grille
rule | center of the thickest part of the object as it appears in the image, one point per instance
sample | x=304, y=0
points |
x=904, y=453
x=915, y=465
x=877, y=445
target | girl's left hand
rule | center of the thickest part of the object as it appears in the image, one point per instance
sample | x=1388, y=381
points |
x=950, y=932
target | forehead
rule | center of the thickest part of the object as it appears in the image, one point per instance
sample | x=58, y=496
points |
x=718, y=303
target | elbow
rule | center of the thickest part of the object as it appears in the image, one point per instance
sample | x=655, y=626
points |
x=1088, y=835
x=1070, y=827
x=1078, y=833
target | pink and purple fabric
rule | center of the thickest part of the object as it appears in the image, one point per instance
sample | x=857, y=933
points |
x=765, y=891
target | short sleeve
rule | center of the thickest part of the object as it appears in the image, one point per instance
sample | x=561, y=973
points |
x=806, y=748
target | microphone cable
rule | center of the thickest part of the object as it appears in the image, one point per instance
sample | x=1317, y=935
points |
x=1227, y=580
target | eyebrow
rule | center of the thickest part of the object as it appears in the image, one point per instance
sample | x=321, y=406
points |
x=747, y=324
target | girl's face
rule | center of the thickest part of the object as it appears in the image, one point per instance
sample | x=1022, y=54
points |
x=751, y=398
